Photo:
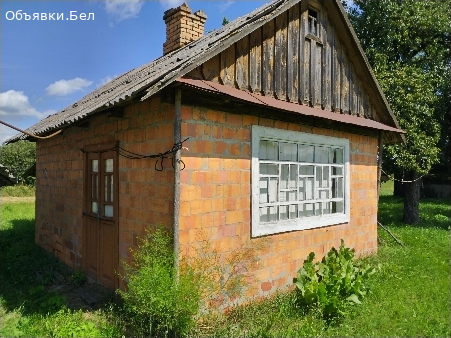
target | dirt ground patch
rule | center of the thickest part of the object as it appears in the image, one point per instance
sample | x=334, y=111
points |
x=8, y=199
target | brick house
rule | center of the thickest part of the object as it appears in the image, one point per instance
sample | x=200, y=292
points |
x=285, y=124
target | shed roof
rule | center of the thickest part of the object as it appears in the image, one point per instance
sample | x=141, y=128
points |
x=6, y=178
x=150, y=78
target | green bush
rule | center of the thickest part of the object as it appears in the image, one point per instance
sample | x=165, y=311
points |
x=334, y=283
x=159, y=300
x=17, y=157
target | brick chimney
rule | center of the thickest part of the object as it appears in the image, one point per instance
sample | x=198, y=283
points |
x=182, y=27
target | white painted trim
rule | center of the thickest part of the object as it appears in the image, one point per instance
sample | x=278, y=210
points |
x=268, y=228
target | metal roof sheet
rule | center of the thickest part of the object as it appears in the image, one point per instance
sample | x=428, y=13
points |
x=291, y=107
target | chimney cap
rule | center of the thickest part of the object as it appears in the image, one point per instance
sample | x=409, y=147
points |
x=182, y=8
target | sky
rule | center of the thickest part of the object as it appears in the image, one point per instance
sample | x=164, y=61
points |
x=47, y=65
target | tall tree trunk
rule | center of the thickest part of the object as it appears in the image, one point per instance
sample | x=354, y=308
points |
x=398, y=189
x=411, y=198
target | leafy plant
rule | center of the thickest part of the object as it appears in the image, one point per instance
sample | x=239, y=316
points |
x=161, y=300
x=78, y=278
x=334, y=283
x=223, y=276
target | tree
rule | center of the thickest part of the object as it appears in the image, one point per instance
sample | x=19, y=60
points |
x=18, y=157
x=407, y=44
x=225, y=21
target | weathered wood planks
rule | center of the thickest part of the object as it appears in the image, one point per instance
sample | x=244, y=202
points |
x=282, y=60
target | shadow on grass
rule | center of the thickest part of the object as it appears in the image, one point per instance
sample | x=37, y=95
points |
x=434, y=212
x=26, y=270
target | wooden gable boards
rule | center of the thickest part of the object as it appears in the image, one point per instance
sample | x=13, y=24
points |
x=283, y=59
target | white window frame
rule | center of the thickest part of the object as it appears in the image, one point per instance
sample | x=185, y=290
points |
x=279, y=226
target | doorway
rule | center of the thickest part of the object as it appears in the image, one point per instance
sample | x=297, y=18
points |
x=100, y=226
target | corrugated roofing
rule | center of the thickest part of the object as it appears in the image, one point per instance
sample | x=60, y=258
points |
x=271, y=102
x=152, y=77
x=159, y=73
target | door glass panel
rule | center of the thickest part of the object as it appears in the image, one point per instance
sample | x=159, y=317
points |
x=95, y=166
x=109, y=165
x=94, y=207
x=108, y=211
x=106, y=188
x=111, y=191
x=94, y=186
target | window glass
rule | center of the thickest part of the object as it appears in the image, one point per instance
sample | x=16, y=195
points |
x=95, y=166
x=109, y=165
x=297, y=183
x=269, y=150
x=321, y=154
x=108, y=211
x=306, y=153
x=337, y=155
x=288, y=151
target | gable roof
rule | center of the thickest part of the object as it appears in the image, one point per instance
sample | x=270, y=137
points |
x=150, y=78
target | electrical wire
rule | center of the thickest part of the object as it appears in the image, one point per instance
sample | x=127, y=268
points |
x=392, y=178
x=29, y=134
x=160, y=156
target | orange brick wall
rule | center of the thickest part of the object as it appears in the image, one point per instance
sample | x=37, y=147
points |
x=215, y=200
x=145, y=195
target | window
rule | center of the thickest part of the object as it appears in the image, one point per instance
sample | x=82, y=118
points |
x=299, y=181
x=313, y=22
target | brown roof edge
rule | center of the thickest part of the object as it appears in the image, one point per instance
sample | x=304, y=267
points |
x=286, y=106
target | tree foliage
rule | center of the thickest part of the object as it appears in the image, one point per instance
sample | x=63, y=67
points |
x=407, y=44
x=18, y=157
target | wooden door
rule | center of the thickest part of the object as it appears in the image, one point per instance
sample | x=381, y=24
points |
x=100, y=226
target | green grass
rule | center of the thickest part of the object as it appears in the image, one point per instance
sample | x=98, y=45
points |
x=18, y=191
x=27, y=308
x=387, y=188
x=409, y=297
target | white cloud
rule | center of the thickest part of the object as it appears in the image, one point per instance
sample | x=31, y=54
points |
x=65, y=87
x=6, y=133
x=166, y=4
x=123, y=9
x=105, y=80
x=225, y=5
x=14, y=103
